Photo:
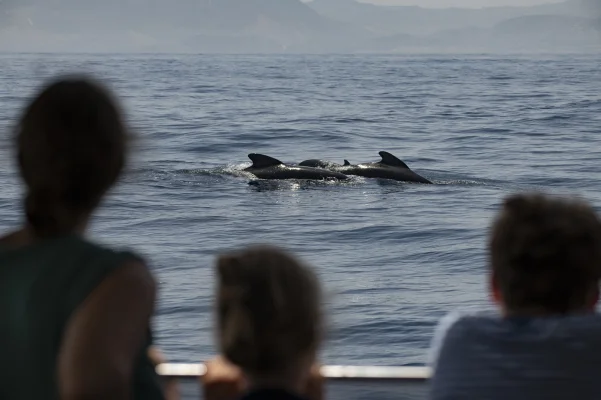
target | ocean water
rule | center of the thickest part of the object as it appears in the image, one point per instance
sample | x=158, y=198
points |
x=393, y=257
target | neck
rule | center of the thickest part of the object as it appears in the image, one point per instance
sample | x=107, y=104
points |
x=78, y=230
x=26, y=235
x=79, y=227
x=541, y=312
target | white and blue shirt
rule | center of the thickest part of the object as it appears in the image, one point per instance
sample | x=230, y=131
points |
x=488, y=357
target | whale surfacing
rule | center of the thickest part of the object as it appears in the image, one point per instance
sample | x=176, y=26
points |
x=314, y=163
x=265, y=167
x=390, y=167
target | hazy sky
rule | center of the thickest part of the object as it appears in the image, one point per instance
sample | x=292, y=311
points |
x=462, y=3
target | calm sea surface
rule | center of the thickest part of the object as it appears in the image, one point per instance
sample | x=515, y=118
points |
x=393, y=257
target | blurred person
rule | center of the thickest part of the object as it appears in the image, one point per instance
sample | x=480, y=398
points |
x=75, y=315
x=545, y=340
x=269, y=328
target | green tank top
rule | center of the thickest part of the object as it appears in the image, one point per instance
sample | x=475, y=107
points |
x=41, y=285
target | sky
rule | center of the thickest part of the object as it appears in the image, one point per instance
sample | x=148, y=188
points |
x=461, y=3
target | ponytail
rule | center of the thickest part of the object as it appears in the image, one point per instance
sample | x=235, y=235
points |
x=47, y=215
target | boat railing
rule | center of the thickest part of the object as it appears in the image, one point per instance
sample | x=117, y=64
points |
x=342, y=381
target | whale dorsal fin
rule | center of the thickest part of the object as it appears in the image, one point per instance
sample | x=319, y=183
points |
x=346, y=162
x=391, y=160
x=262, y=161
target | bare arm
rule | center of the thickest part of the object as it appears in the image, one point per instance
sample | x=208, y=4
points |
x=170, y=386
x=105, y=335
x=225, y=381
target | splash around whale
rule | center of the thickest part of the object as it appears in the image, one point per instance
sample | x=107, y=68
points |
x=265, y=167
x=390, y=167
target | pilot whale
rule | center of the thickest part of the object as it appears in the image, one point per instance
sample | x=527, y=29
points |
x=390, y=167
x=323, y=164
x=265, y=167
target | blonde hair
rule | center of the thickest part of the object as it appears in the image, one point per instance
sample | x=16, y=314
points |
x=268, y=309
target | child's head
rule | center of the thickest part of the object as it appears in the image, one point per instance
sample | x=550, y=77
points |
x=269, y=312
x=546, y=256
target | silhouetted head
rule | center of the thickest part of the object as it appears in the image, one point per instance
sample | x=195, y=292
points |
x=269, y=313
x=71, y=144
x=546, y=256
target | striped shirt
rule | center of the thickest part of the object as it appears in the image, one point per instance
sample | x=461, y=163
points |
x=486, y=357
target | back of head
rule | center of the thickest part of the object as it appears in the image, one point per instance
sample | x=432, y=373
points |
x=269, y=313
x=546, y=255
x=71, y=144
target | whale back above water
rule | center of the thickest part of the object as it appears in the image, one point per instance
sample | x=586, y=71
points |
x=315, y=163
x=266, y=167
x=390, y=167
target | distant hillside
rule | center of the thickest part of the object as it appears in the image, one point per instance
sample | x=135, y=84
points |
x=531, y=34
x=549, y=33
x=244, y=14
x=390, y=20
x=291, y=26
x=184, y=25
x=146, y=14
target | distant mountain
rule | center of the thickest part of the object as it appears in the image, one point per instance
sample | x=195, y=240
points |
x=245, y=14
x=549, y=33
x=185, y=25
x=287, y=25
x=148, y=14
x=291, y=26
x=531, y=34
x=390, y=20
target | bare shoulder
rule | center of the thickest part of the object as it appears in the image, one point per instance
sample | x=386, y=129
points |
x=136, y=274
x=132, y=280
x=106, y=333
